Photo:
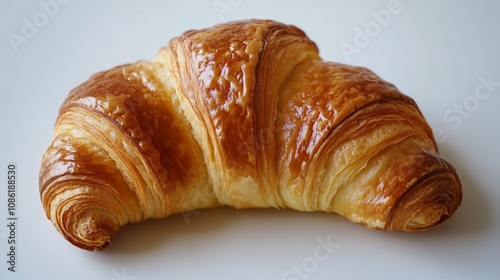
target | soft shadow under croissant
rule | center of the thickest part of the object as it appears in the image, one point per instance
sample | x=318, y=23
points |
x=244, y=114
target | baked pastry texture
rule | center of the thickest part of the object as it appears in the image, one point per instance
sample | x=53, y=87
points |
x=244, y=114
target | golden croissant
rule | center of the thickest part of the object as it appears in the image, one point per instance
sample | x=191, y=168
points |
x=244, y=114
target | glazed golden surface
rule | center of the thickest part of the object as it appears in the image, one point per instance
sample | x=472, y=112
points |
x=244, y=114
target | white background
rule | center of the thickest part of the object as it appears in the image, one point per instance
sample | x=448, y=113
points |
x=435, y=51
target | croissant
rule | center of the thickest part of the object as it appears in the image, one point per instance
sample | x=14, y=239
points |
x=244, y=114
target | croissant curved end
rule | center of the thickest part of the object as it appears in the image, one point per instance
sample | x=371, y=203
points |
x=95, y=233
x=85, y=226
x=431, y=200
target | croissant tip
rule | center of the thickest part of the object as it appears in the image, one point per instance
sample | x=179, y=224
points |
x=94, y=234
x=428, y=203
